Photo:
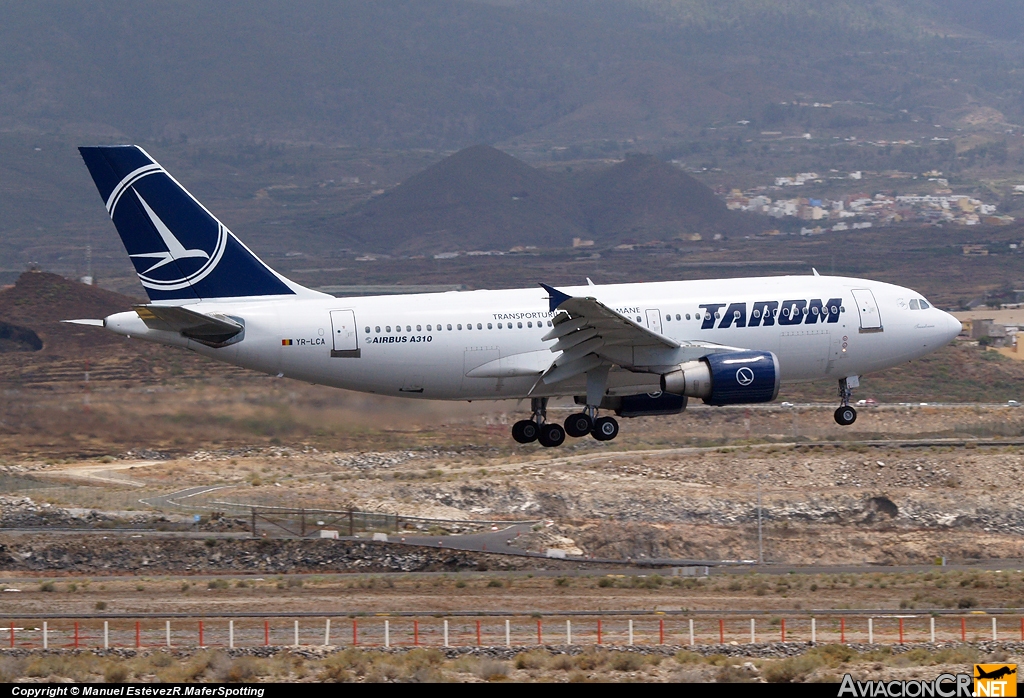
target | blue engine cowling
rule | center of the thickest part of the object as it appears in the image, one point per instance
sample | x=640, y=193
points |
x=742, y=377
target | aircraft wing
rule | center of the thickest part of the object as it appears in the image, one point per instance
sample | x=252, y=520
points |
x=212, y=330
x=589, y=334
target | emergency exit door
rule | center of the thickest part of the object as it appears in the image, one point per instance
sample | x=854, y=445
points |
x=344, y=335
x=654, y=321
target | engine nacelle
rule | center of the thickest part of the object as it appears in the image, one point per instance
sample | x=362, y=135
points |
x=727, y=378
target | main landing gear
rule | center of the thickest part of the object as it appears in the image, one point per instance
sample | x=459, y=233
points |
x=846, y=415
x=576, y=425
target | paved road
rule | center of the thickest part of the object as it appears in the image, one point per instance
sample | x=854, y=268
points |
x=174, y=498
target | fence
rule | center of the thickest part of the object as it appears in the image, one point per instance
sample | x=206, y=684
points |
x=463, y=631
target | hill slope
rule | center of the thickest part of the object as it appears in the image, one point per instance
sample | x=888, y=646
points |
x=643, y=199
x=478, y=198
x=482, y=199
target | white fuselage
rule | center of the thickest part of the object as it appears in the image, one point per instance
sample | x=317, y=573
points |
x=488, y=344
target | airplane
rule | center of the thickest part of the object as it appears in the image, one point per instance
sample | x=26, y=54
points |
x=633, y=349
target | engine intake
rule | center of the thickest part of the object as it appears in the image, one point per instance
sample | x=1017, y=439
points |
x=727, y=378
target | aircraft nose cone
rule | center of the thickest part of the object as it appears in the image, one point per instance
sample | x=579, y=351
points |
x=953, y=327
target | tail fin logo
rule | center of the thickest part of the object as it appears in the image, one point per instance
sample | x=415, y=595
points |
x=192, y=241
x=175, y=250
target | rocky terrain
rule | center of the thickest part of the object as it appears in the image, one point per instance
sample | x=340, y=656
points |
x=125, y=555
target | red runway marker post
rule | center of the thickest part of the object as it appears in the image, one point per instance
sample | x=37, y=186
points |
x=138, y=634
x=599, y=631
x=661, y=630
x=783, y=629
x=842, y=631
x=721, y=631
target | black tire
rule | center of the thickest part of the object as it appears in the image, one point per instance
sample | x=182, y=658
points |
x=551, y=435
x=525, y=431
x=605, y=429
x=845, y=416
x=577, y=425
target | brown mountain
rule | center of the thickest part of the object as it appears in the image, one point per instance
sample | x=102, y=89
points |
x=642, y=199
x=478, y=198
x=38, y=302
x=481, y=198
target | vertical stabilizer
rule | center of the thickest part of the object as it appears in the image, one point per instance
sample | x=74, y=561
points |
x=179, y=249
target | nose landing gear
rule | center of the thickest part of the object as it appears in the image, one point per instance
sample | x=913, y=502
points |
x=846, y=415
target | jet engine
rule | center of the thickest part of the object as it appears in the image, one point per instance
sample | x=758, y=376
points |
x=726, y=378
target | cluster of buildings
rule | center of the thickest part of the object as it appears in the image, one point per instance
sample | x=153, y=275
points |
x=861, y=210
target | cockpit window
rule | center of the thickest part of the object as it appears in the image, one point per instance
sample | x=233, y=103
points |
x=924, y=304
x=914, y=304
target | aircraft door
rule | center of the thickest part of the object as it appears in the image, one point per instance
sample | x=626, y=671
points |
x=870, y=320
x=343, y=332
x=654, y=321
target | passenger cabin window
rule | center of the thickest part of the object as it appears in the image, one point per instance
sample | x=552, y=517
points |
x=458, y=326
x=449, y=328
x=387, y=328
x=520, y=325
x=377, y=328
x=914, y=305
x=367, y=330
x=479, y=326
x=489, y=326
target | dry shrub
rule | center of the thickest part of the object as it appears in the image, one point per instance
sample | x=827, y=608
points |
x=492, y=670
x=791, y=669
x=688, y=657
x=419, y=658
x=534, y=659
x=72, y=667
x=561, y=662
x=115, y=672
x=351, y=660
x=957, y=655
x=160, y=660
x=11, y=669
x=591, y=659
x=627, y=661
x=245, y=669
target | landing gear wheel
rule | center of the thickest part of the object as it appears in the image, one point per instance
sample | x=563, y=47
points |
x=525, y=431
x=605, y=429
x=577, y=425
x=845, y=416
x=551, y=435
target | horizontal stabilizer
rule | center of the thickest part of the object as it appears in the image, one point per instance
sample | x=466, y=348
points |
x=211, y=330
